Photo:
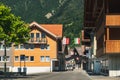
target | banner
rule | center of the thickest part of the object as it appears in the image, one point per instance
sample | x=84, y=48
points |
x=66, y=40
x=77, y=40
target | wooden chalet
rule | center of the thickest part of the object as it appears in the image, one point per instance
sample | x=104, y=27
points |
x=102, y=17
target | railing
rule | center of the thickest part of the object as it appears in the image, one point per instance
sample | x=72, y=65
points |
x=112, y=46
x=113, y=20
x=38, y=40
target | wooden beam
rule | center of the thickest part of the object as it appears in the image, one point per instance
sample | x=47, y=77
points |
x=108, y=34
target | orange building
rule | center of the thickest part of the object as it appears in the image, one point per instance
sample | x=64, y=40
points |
x=41, y=52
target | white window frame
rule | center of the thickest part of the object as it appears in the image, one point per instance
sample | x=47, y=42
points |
x=42, y=58
x=26, y=58
x=33, y=59
x=15, y=58
x=22, y=47
x=47, y=58
x=32, y=46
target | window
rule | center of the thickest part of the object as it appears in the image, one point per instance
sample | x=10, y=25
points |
x=47, y=58
x=0, y=58
x=8, y=46
x=16, y=46
x=32, y=35
x=42, y=46
x=37, y=37
x=42, y=59
x=22, y=57
x=1, y=46
x=31, y=46
x=31, y=58
x=47, y=47
x=26, y=58
x=43, y=35
x=16, y=58
x=26, y=46
x=21, y=46
x=8, y=58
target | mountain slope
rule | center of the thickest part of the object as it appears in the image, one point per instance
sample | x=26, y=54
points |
x=67, y=12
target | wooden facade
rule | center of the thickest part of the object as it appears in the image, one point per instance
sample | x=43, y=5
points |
x=113, y=20
x=105, y=17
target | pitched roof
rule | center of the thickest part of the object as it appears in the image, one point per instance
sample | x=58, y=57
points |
x=79, y=50
x=53, y=29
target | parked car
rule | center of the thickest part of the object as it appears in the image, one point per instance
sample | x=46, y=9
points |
x=69, y=67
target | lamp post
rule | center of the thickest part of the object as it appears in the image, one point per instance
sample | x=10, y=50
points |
x=5, y=57
x=22, y=58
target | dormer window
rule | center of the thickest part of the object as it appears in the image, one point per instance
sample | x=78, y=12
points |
x=32, y=35
x=43, y=35
x=37, y=37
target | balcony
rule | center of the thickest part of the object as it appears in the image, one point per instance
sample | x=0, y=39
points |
x=112, y=46
x=38, y=40
x=113, y=20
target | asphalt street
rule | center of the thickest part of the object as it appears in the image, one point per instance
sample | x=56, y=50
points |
x=69, y=75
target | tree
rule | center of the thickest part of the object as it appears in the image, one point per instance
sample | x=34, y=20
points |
x=12, y=29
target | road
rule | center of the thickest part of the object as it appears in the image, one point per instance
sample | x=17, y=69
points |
x=69, y=75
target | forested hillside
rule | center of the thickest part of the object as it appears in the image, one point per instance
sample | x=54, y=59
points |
x=66, y=12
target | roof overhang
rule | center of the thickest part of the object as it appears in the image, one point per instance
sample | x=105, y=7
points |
x=39, y=26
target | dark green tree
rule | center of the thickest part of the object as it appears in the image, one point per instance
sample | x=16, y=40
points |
x=12, y=29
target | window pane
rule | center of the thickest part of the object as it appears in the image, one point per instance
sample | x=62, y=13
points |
x=31, y=58
x=31, y=46
x=1, y=46
x=32, y=35
x=0, y=58
x=42, y=46
x=16, y=58
x=8, y=46
x=8, y=58
x=47, y=47
x=26, y=58
x=43, y=35
x=26, y=46
x=16, y=47
x=22, y=57
x=37, y=35
x=21, y=46
x=47, y=58
x=42, y=59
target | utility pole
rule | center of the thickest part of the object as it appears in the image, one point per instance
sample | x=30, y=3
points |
x=5, y=57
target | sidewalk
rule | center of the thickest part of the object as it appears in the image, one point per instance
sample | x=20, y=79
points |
x=97, y=77
x=101, y=77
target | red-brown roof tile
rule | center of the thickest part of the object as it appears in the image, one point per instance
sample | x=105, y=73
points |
x=53, y=28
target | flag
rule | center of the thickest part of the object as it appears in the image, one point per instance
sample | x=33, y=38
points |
x=77, y=40
x=65, y=40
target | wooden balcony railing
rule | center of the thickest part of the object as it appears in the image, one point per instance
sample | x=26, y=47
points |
x=113, y=20
x=38, y=40
x=112, y=46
